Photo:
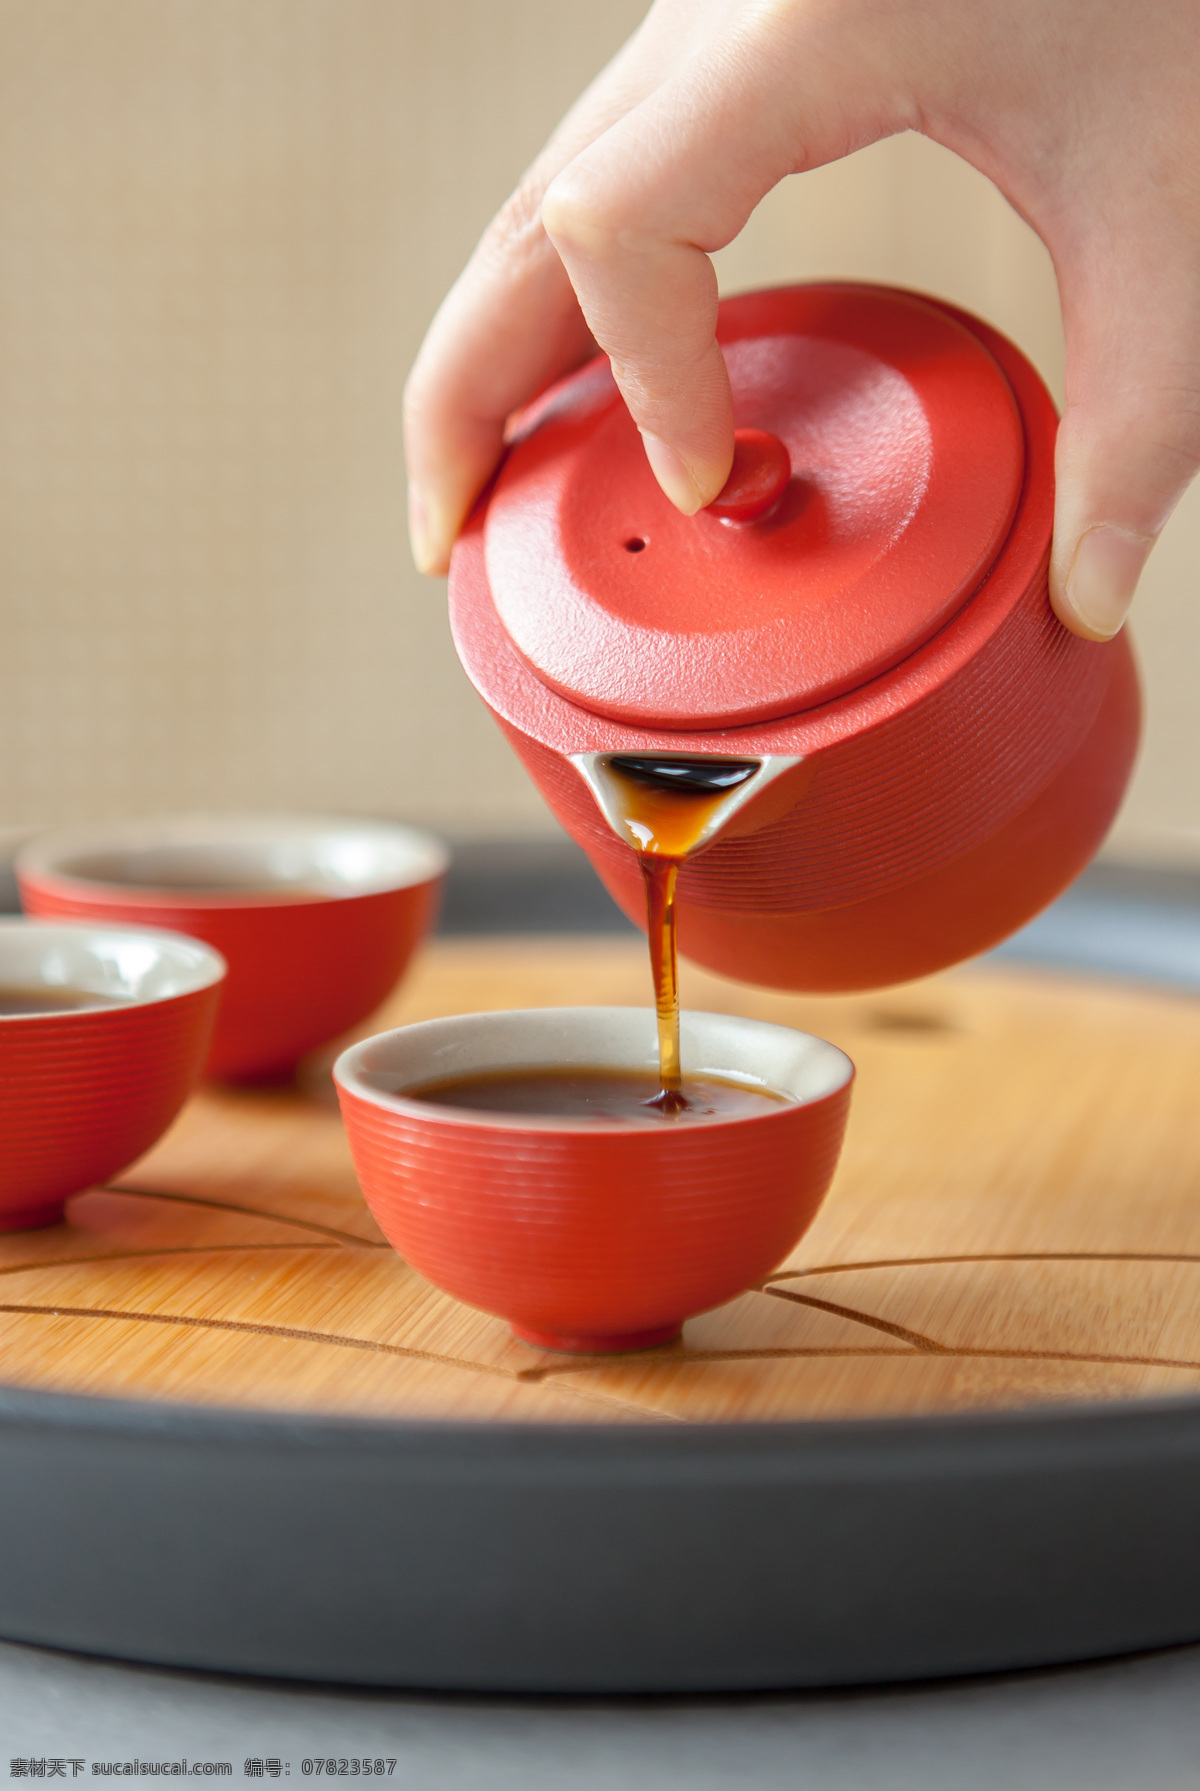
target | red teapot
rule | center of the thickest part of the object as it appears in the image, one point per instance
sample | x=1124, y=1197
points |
x=863, y=613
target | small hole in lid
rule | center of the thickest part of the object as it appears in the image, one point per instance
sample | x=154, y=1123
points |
x=635, y=544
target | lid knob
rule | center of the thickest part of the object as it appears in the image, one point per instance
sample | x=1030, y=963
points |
x=757, y=479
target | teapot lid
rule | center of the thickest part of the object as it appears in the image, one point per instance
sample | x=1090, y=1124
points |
x=881, y=457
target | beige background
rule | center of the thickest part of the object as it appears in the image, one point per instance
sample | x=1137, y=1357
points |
x=224, y=225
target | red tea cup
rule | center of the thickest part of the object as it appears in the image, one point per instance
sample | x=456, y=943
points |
x=316, y=918
x=590, y=1237
x=83, y=1092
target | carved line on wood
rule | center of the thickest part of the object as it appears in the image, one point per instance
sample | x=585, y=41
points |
x=917, y=1342
x=60, y=1262
x=293, y=1333
x=692, y=1358
x=916, y=1338
x=249, y=1212
x=965, y=1353
x=920, y=1262
x=578, y=1364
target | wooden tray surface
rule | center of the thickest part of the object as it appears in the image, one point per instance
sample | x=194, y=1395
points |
x=1016, y=1220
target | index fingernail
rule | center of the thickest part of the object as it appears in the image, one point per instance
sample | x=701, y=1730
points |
x=673, y=476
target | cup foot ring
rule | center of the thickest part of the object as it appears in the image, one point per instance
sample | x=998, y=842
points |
x=32, y=1218
x=588, y=1343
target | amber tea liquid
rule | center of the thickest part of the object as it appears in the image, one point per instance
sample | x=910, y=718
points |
x=590, y=1091
x=665, y=805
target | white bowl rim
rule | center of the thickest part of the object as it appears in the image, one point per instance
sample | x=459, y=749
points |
x=50, y=854
x=813, y=1059
x=196, y=965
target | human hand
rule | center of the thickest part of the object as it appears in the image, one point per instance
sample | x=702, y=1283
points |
x=1086, y=115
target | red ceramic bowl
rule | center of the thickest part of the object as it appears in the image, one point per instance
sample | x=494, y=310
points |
x=588, y=1237
x=84, y=1092
x=317, y=919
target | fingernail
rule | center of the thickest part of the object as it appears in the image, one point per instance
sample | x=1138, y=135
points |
x=425, y=549
x=672, y=475
x=1104, y=574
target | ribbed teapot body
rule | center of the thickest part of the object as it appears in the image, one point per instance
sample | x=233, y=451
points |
x=831, y=896
x=930, y=812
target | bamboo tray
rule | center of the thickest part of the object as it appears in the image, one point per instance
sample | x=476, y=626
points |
x=958, y=1429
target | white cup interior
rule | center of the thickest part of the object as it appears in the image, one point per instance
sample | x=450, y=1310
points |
x=216, y=855
x=380, y=1069
x=130, y=964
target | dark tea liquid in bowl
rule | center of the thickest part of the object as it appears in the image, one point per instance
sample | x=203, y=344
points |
x=594, y=1092
x=38, y=999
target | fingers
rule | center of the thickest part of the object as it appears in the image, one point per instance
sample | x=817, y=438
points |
x=708, y=106
x=509, y=326
x=1129, y=442
x=511, y=323
x=635, y=216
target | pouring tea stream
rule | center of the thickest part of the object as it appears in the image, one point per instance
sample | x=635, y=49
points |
x=669, y=809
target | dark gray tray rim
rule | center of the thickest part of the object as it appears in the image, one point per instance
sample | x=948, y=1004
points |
x=618, y=1558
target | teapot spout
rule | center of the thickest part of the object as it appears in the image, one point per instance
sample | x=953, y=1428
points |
x=718, y=787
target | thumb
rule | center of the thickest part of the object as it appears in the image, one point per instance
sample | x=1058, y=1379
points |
x=1129, y=441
